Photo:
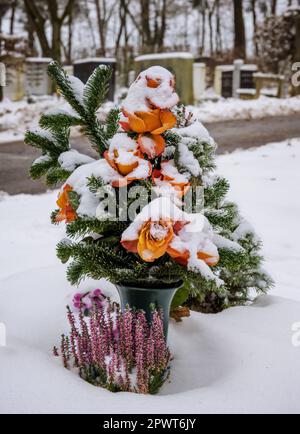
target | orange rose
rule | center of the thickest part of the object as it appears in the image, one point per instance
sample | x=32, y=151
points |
x=127, y=170
x=66, y=211
x=153, y=240
x=152, y=145
x=183, y=257
x=168, y=174
x=154, y=121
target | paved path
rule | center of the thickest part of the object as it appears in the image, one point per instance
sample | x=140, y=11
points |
x=15, y=158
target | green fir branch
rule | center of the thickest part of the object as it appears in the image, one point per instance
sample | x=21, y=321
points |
x=112, y=123
x=96, y=89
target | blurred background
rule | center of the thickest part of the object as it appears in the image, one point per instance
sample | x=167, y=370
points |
x=237, y=63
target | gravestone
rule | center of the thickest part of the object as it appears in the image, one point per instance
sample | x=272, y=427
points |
x=199, y=80
x=247, y=77
x=14, y=88
x=223, y=83
x=230, y=79
x=84, y=68
x=37, y=80
x=180, y=64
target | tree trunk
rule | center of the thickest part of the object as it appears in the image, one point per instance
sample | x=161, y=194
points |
x=70, y=26
x=38, y=21
x=30, y=31
x=254, y=19
x=274, y=7
x=12, y=17
x=239, y=30
x=210, y=17
x=163, y=23
x=56, y=40
x=203, y=31
x=101, y=28
x=90, y=24
x=211, y=47
x=219, y=47
x=147, y=41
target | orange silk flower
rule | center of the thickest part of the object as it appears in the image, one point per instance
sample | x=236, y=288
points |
x=183, y=257
x=152, y=145
x=158, y=177
x=125, y=169
x=155, y=121
x=66, y=211
x=155, y=239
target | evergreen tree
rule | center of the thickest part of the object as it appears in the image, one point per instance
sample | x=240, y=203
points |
x=95, y=243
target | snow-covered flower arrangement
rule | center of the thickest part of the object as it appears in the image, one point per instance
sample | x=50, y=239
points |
x=115, y=350
x=158, y=156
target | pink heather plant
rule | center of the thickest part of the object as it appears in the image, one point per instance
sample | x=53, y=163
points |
x=86, y=300
x=115, y=350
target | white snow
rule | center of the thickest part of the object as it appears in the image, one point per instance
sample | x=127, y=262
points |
x=39, y=59
x=42, y=159
x=140, y=94
x=69, y=160
x=187, y=159
x=265, y=182
x=122, y=141
x=169, y=169
x=78, y=180
x=173, y=55
x=46, y=134
x=241, y=360
x=95, y=60
x=230, y=109
x=16, y=117
x=66, y=110
x=77, y=87
x=195, y=129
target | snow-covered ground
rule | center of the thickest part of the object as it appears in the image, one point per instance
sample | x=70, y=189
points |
x=16, y=117
x=233, y=109
x=241, y=360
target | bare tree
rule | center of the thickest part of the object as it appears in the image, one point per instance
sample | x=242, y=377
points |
x=254, y=20
x=273, y=7
x=86, y=11
x=151, y=23
x=211, y=10
x=104, y=14
x=38, y=13
x=201, y=6
x=239, y=30
x=219, y=45
x=4, y=7
x=12, y=16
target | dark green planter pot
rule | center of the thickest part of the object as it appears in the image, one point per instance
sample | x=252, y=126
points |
x=142, y=298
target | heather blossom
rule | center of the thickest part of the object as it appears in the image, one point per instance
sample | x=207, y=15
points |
x=119, y=351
